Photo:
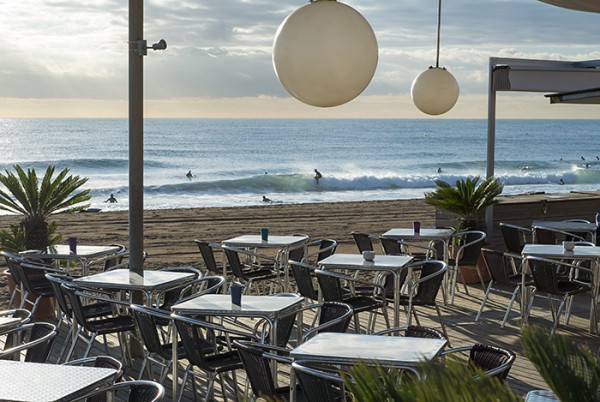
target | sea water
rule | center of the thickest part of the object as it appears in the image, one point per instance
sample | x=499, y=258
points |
x=235, y=162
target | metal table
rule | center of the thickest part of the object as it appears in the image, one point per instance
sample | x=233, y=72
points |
x=41, y=382
x=443, y=234
x=123, y=279
x=390, y=263
x=348, y=349
x=567, y=226
x=85, y=254
x=282, y=243
x=271, y=308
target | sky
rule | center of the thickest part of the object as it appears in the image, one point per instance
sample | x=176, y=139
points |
x=69, y=59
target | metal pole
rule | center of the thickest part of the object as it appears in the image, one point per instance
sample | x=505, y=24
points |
x=136, y=138
x=491, y=146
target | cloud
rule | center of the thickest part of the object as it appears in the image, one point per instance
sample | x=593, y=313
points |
x=222, y=49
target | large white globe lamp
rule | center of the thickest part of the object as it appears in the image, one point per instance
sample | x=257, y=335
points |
x=434, y=91
x=325, y=53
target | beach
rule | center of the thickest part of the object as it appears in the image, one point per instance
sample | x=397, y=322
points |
x=169, y=233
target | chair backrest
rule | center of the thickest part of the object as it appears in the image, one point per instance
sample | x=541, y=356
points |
x=208, y=255
x=493, y=360
x=202, y=286
x=145, y=320
x=363, y=241
x=296, y=254
x=331, y=311
x=326, y=248
x=170, y=297
x=12, y=262
x=35, y=339
x=515, y=237
x=470, y=246
x=20, y=313
x=414, y=331
x=139, y=391
x=545, y=275
x=319, y=385
x=303, y=275
x=233, y=259
x=330, y=285
x=29, y=272
x=102, y=362
x=258, y=370
x=70, y=291
x=498, y=265
x=390, y=246
x=192, y=335
x=116, y=259
x=56, y=281
x=431, y=275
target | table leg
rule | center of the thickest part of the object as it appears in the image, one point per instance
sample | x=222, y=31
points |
x=397, y=290
x=174, y=356
x=525, y=293
x=595, y=294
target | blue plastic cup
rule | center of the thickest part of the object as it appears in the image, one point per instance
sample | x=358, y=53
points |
x=73, y=245
x=236, y=294
x=264, y=234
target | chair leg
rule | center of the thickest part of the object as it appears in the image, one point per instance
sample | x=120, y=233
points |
x=485, y=297
x=183, y=381
x=437, y=309
x=509, y=308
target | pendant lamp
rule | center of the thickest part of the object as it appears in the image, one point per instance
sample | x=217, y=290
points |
x=435, y=90
x=325, y=53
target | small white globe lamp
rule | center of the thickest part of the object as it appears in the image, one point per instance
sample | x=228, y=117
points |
x=435, y=90
x=325, y=53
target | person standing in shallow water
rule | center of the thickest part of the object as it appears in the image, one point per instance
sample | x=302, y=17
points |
x=111, y=199
x=318, y=176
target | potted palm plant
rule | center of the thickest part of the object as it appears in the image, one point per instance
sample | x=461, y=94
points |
x=24, y=195
x=467, y=199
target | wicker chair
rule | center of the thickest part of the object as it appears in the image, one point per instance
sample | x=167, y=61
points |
x=493, y=360
x=100, y=361
x=207, y=250
x=333, y=290
x=414, y=331
x=139, y=391
x=363, y=241
x=467, y=247
x=319, y=385
x=515, y=237
x=252, y=273
x=35, y=340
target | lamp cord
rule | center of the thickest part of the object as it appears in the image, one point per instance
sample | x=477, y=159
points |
x=439, y=23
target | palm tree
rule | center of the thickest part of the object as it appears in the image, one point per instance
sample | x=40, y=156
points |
x=24, y=195
x=466, y=199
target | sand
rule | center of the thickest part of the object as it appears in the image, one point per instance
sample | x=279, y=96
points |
x=169, y=233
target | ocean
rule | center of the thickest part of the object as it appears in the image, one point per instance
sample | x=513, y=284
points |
x=235, y=162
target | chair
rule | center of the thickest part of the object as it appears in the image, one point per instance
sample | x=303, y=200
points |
x=35, y=284
x=117, y=259
x=166, y=299
x=363, y=241
x=319, y=385
x=18, y=289
x=333, y=290
x=467, y=247
x=20, y=313
x=252, y=272
x=304, y=277
x=423, y=290
x=548, y=281
x=156, y=352
x=545, y=235
x=401, y=247
x=515, y=237
x=139, y=391
x=502, y=269
x=35, y=340
x=414, y=331
x=89, y=328
x=202, y=286
x=256, y=359
x=324, y=248
x=208, y=255
x=90, y=310
x=195, y=332
x=493, y=360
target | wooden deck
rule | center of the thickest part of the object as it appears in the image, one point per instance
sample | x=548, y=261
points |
x=462, y=330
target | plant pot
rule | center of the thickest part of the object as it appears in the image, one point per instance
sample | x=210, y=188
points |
x=469, y=273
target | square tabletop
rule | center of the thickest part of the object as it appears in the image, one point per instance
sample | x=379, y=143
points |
x=63, y=251
x=425, y=234
x=347, y=348
x=41, y=382
x=220, y=304
x=125, y=279
x=558, y=251
x=273, y=241
x=356, y=261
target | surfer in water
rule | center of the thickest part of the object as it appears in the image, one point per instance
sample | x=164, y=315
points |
x=189, y=174
x=111, y=199
x=318, y=176
x=266, y=199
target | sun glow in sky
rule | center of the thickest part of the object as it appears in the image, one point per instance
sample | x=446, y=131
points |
x=69, y=59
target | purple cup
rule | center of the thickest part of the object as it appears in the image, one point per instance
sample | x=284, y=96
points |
x=417, y=227
x=73, y=245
